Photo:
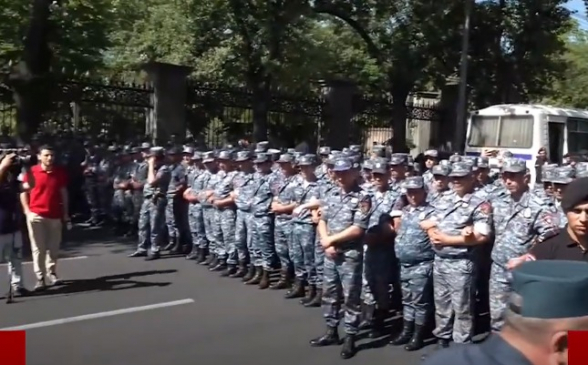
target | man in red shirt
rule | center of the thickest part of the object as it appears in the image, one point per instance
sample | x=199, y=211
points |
x=45, y=204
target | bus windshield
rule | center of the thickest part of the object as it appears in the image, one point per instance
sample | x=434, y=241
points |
x=507, y=131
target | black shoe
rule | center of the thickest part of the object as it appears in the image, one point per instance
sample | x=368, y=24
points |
x=349, y=350
x=330, y=338
x=310, y=294
x=138, y=254
x=153, y=256
x=442, y=344
x=21, y=291
x=367, y=316
x=220, y=266
x=256, y=278
x=297, y=291
x=377, y=328
x=231, y=269
x=405, y=336
x=416, y=342
x=250, y=274
x=317, y=301
x=194, y=254
x=202, y=256
x=241, y=272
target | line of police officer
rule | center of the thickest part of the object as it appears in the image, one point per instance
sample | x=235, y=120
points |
x=342, y=229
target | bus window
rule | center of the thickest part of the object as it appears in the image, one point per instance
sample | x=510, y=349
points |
x=577, y=134
x=483, y=131
x=509, y=131
x=516, y=131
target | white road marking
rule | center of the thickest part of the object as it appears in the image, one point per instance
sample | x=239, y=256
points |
x=88, y=317
x=63, y=259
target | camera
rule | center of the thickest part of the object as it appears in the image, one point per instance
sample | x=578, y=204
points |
x=22, y=158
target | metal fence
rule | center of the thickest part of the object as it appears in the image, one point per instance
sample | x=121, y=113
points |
x=217, y=114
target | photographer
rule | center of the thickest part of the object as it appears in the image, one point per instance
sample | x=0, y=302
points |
x=45, y=204
x=11, y=239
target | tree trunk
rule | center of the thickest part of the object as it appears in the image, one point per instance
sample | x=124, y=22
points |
x=399, y=118
x=261, y=103
x=28, y=80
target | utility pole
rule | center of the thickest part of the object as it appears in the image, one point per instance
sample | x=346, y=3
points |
x=461, y=111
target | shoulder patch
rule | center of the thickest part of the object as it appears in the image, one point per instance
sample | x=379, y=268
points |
x=486, y=208
x=365, y=205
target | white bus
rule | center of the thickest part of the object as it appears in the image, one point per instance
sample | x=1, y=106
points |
x=523, y=129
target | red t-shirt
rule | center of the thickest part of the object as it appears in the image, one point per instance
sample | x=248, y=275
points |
x=45, y=196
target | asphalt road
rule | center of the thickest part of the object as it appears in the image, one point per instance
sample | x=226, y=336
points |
x=132, y=316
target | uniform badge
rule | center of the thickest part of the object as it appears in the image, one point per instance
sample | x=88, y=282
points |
x=354, y=200
x=486, y=208
x=527, y=213
x=365, y=206
x=422, y=216
x=464, y=205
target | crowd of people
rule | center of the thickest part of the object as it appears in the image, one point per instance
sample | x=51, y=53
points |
x=343, y=227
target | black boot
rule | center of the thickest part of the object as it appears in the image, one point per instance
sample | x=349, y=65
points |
x=170, y=245
x=231, y=270
x=403, y=337
x=317, y=301
x=297, y=291
x=367, y=316
x=416, y=342
x=211, y=261
x=264, y=283
x=310, y=294
x=330, y=338
x=194, y=254
x=202, y=256
x=250, y=274
x=377, y=328
x=241, y=272
x=349, y=350
x=178, y=248
x=220, y=265
x=441, y=344
x=284, y=281
x=255, y=279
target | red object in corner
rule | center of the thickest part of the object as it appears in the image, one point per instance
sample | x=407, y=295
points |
x=13, y=348
x=578, y=348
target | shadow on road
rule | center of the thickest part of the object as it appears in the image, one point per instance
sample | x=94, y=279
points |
x=106, y=283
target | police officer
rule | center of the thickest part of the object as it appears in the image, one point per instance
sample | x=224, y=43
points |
x=549, y=299
x=415, y=256
x=521, y=219
x=345, y=217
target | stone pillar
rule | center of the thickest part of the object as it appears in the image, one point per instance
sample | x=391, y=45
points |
x=168, y=115
x=339, y=95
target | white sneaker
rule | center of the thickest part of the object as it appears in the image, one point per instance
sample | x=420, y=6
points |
x=54, y=280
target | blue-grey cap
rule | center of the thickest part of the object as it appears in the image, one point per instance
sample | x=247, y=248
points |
x=460, y=169
x=551, y=289
x=445, y=163
x=507, y=154
x=368, y=165
x=291, y=151
x=563, y=175
x=145, y=145
x=334, y=156
x=547, y=172
x=441, y=170
x=307, y=160
x=431, y=153
x=208, y=157
x=455, y=158
x=261, y=146
x=174, y=151
x=225, y=155
x=157, y=151
x=397, y=159
x=345, y=150
x=414, y=182
x=514, y=165
x=380, y=166
x=355, y=148
x=135, y=150
x=261, y=158
x=342, y=164
x=324, y=150
x=197, y=156
x=581, y=169
x=286, y=158
x=483, y=162
x=243, y=156
x=188, y=150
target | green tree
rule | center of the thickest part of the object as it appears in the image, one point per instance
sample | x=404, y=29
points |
x=571, y=89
